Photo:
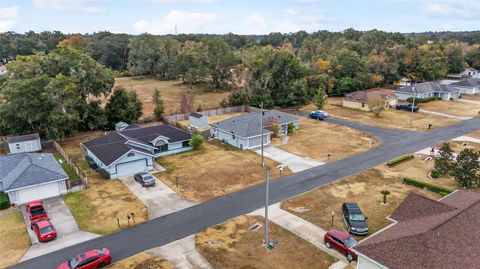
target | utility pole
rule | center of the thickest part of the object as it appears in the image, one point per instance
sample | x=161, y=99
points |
x=267, y=245
x=261, y=131
x=175, y=29
x=413, y=104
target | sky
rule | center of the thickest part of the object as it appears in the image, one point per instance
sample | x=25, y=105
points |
x=240, y=16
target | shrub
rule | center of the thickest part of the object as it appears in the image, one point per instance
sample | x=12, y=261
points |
x=435, y=188
x=291, y=127
x=196, y=141
x=400, y=159
x=423, y=100
x=4, y=201
x=435, y=174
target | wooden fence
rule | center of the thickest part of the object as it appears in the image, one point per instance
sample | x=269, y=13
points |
x=79, y=172
x=171, y=119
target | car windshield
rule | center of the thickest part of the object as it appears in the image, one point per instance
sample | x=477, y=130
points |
x=37, y=211
x=72, y=263
x=350, y=242
x=46, y=229
x=357, y=217
x=147, y=178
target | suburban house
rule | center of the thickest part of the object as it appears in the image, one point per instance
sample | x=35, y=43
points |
x=134, y=149
x=244, y=131
x=362, y=99
x=24, y=143
x=198, y=120
x=468, y=86
x=403, y=82
x=427, y=234
x=25, y=177
x=468, y=72
x=428, y=89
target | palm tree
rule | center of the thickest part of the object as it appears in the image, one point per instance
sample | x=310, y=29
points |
x=385, y=194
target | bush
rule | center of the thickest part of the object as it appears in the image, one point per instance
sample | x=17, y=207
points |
x=103, y=173
x=399, y=160
x=196, y=141
x=435, y=188
x=4, y=201
x=435, y=174
x=291, y=127
x=423, y=100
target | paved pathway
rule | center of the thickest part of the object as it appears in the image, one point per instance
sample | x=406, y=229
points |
x=443, y=115
x=292, y=161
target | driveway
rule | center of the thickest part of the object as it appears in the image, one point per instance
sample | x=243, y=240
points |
x=68, y=232
x=294, y=162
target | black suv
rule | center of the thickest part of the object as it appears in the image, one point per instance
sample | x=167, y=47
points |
x=407, y=107
x=354, y=219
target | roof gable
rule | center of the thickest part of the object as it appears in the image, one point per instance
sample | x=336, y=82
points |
x=414, y=206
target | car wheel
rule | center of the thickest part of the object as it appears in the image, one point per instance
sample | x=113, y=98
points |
x=101, y=265
x=328, y=245
x=349, y=257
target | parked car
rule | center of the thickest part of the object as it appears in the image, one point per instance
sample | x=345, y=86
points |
x=36, y=211
x=92, y=259
x=355, y=221
x=145, y=179
x=321, y=112
x=407, y=107
x=342, y=242
x=316, y=115
x=44, y=230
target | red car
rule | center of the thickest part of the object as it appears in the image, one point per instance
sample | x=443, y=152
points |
x=342, y=242
x=44, y=230
x=91, y=259
x=36, y=211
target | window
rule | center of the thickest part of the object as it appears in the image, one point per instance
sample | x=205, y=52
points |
x=185, y=144
x=17, y=146
x=131, y=154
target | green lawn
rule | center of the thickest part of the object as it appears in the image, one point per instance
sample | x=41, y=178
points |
x=66, y=167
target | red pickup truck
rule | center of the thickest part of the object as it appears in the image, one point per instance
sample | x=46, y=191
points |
x=36, y=211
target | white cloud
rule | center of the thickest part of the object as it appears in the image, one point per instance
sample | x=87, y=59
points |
x=8, y=18
x=454, y=8
x=186, y=22
x=86, y=6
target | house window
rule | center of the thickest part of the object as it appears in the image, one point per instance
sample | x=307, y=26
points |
x=185, y=144
x=131, y=154
x=17, y=146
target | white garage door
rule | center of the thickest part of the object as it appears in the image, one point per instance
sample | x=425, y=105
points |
x=38, y=192
x=131, y=168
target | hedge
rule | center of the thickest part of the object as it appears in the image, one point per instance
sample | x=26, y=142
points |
x=400, y=159
x=423, y=100
x=4, y=201
x=435, y=188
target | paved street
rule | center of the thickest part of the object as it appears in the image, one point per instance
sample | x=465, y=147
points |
x=175, y=226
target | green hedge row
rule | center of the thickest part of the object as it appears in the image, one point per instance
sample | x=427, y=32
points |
x=435, y=188
x=400, y=159
x=4, y=202
x=423, y=100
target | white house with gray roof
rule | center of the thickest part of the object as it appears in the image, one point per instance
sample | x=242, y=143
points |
x=244, y=131
x=428, y=89
x=24, y=143
x=26, y=177
x=468, y=86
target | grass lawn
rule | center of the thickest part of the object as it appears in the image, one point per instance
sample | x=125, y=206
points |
x=171, y=91
x=142, y=261
x=14, y=240
x=475, y=134
x=473, y=97
x=390, y=118
x=452, y=108
x=96, y=208
x=214, y=170
x=316, y=139
x=66, y=167
x=234, y=245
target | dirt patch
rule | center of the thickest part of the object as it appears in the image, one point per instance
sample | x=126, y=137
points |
x=14, y=239
x=142, y=261
x=452, y=108
x=241, y=247
x=214, y=170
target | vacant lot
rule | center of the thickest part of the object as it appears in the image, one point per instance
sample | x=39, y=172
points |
x=234, y=244
x=475, y=97
x=213, y=171
x=14, y=241
x=142, y=261
x=171, y=92
x=452, y=108
x=214, y=119
x=317, y=139
x=390, y=118
x=96, y=208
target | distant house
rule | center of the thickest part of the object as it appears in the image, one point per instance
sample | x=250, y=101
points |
x=427, y=234
x=467, y=73
x=403, y=82
x=468, y=86
x=361, y=99
x=428, y=89
x=31, y=176
x=24, y=143
x=198, y=120
x=244, y=131
x=134, y=149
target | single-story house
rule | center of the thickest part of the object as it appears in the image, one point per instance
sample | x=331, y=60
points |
x=244, y=131
x=468, y=86
x=466, y=73
x=361, y=99
x=26, y=177
x=134, y=149
x=428, y=89
x=427, y=234
x=198, y=120
x=24, y=143
x=403, y=82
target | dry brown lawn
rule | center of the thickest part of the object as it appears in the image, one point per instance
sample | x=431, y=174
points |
x=96, y=208
x=14, y=240
x=475, y=134
x=458, y=146
x=171, y=92
x=214, y=170
x=142, y=261
x=474, y=97
x=390, y=118
x=452, y=108
x=234, y=245
x=214, y=119
x=315, y=139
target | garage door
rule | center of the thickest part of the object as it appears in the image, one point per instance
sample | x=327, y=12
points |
x=38, y=192
x=131, y=168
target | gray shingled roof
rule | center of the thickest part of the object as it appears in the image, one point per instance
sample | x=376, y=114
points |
x=248, y=125
x=428, y=87
x=26, y=169
x=473, y=82
x=21, y=138
x=196, y=115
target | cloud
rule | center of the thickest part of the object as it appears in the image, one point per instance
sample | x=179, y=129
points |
x=8, y=18
x=463, y=9
x=85, y=6
x=186, y=22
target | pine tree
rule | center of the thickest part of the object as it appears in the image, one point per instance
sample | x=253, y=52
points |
x=320, y=98
x=159, y=109
x=444, y=162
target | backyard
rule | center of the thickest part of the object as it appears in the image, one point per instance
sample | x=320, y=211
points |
x=142, y=261
x=460, y=109
x=238, y=243
x=14, y=238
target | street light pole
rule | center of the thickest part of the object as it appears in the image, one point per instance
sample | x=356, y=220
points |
x=413, y=104
x=261, y=131
x=266, y=206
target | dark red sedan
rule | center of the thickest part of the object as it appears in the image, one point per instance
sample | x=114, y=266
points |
x=342, y=242
x=92, y=259
x=44, y=230
x=36, y=211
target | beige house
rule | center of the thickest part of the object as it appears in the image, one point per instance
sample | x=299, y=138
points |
x=361, y=99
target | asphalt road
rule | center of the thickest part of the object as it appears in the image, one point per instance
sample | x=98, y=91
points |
x=191, y=220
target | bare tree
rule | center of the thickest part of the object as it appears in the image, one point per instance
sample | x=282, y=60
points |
x=376, y=106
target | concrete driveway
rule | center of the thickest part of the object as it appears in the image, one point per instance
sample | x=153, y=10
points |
x=294, y=162
x=68, y=232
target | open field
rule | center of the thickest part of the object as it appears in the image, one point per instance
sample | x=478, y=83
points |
x=473, y=97
x=317, y=139
x=96, y=208
x=14, y=240
x=171, y=91
x=390, y=118
x=142, y=261
x=452, y=108
x=214, y=119
x=234, y=244
x=213, y=171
